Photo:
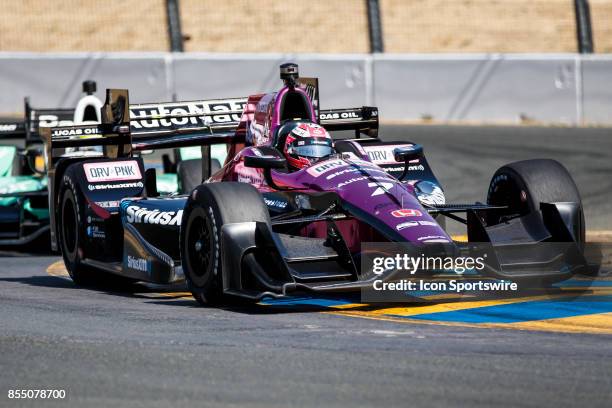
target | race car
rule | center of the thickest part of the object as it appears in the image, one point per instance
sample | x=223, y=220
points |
x=24, y=213
x=290, y=209
x=24, y=208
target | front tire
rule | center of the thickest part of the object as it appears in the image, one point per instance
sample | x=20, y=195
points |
x=523, y=185
x=209, y=207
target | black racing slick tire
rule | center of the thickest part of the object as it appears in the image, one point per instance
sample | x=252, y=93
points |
x=208, y=208
x=523, y=185
x=71, y=231
x=189, y=173
x=71, y=235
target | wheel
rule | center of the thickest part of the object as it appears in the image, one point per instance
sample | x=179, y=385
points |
x=71, y=233
x=208, y=208
x=70, y=230
x=190, y=173
x=523, y=185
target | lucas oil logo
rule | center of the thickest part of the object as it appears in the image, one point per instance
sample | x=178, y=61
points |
x=138, y=215
x=112, y=171
x=339, y=115
x=82, y=131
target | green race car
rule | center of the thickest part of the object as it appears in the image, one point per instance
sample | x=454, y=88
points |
x=24, y=210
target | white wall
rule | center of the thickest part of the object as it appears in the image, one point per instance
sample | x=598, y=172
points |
x=549, y=88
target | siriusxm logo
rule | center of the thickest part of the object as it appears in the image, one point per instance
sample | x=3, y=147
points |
x=138, y=215
x=138, y=264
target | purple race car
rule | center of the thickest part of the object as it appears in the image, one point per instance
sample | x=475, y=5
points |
x=291, y=207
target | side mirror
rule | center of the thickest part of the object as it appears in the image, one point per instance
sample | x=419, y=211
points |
x=406, y=154
x=265, y=162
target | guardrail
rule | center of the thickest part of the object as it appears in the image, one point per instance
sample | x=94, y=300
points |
x=572, y=89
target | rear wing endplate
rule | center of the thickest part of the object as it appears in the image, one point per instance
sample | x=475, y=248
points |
x=113, y=134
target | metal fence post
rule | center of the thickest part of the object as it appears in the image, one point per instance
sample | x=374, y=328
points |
x=174, y=26
x=375, y=26
x=583, y=27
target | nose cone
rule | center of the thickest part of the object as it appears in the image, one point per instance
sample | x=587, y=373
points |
x=396, y=212
x=383, y=202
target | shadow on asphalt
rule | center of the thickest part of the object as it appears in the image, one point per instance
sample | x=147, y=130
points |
x=45, y=281
x=39, y=247
x=175, y=296
x=357, y=306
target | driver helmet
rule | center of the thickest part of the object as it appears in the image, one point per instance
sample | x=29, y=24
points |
x=306, y=144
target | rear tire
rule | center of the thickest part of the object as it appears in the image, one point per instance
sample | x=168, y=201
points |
x=71, y=236
x=209, y=207
x=190, y=173
x=70, y=231
x=523, y=185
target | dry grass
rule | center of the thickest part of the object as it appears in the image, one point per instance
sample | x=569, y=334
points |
x=300, y=25
x=479, y=25
x=601, y=16
x=83, y=25
x=279, y=26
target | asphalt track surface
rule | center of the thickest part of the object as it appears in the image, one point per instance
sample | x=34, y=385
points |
x=153, y=347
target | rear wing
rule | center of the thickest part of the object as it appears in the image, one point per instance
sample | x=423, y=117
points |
x=11, y=128
x=34, y=119
x=128, y=127
x=177, y=124
x=140, y=127
x=362, y=120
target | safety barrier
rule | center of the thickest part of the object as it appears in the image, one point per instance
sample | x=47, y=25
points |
x=491, y=88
